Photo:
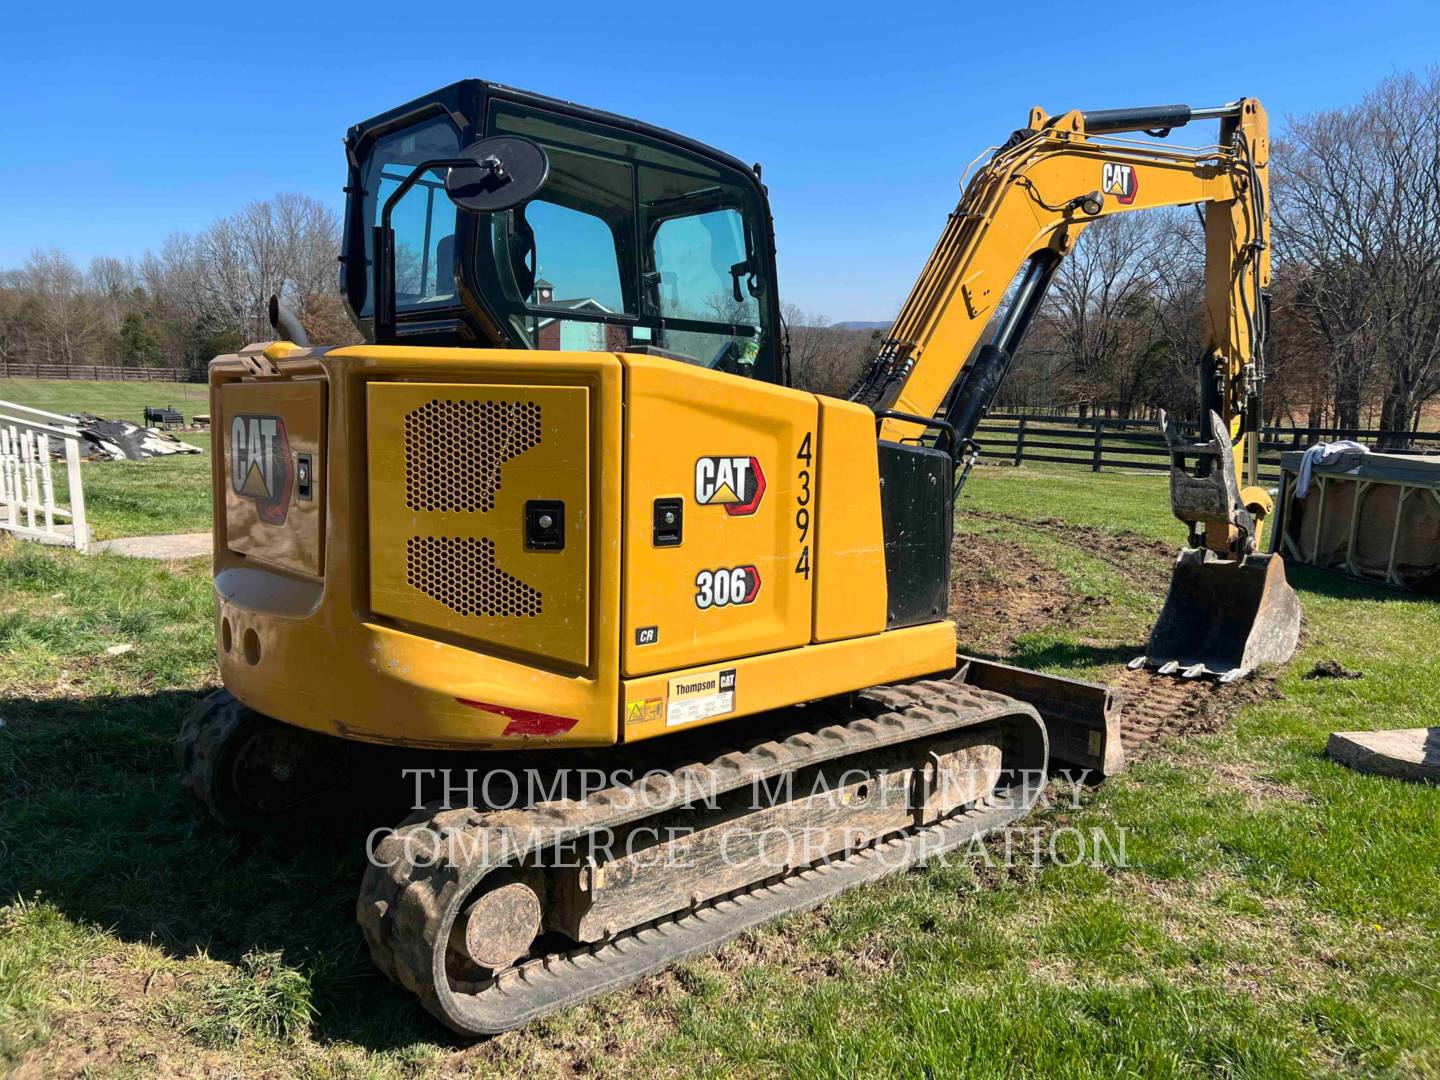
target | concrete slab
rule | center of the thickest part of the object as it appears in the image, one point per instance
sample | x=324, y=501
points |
x=66, y=537
x=171, y=546
x=1409, y=753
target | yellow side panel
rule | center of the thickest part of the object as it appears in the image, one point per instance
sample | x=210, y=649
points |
x=677, y=700
x=850, y=590
x=731, y=451
x=452, y=467
x=268, y=429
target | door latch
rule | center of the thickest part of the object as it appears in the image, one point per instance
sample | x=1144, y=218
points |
x=669, y=522
x=544, y=525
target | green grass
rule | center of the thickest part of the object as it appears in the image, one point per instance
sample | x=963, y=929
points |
x=113, y=400
x=1274, y=915
x=130, y=498
x=157, y=495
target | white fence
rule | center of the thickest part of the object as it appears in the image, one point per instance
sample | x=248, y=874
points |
x=27, y=487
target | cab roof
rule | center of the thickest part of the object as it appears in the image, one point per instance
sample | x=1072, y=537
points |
x=465, y=102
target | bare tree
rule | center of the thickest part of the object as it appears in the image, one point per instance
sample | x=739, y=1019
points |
x=825, y=358
x=1358, y=203
x=1111, y=311
x=285, y=245
x=63, y=318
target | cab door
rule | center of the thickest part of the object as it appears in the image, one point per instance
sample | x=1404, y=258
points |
x=719, y=504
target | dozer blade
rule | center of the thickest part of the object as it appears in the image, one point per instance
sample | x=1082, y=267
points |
x=1223, y=617
x=1081, y=718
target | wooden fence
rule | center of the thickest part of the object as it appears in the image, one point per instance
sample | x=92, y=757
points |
x=29, y=505
x=1140, y=444
x=10, y=369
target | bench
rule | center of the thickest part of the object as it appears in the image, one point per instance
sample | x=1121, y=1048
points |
x=163, y=418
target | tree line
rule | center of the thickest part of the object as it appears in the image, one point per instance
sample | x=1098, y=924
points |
x=1355, y=317
x=195, y=297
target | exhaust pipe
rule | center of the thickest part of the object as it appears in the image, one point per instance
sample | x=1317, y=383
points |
x=286, y=324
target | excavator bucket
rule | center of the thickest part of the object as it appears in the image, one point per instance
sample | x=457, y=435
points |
x=1224, y=617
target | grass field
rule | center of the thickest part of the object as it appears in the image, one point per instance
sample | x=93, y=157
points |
x=130, y=498
x=113, y=400
x=1273, y=915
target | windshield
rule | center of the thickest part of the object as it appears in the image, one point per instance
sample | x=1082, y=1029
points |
x=630, y=245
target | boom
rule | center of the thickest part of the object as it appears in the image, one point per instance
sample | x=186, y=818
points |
x=1022, y=213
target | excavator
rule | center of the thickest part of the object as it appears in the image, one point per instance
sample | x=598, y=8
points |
x=563, y=511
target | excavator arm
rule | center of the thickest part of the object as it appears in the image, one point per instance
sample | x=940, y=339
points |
x=1020, y=215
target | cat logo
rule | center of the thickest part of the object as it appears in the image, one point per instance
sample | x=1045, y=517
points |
x=736, y=483
x=1120, y=181
x=260, y=465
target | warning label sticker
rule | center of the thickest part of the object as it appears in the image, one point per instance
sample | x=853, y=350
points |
x=699, y=697
x=643, y=712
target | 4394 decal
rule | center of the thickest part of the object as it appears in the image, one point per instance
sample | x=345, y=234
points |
x=722, y=588
x=802, y=506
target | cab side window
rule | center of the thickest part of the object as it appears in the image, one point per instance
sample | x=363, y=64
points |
x=423, y=221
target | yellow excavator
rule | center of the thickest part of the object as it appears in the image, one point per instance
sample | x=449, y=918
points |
x=564, y=508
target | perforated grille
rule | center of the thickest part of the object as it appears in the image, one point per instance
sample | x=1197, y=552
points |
x=460, y=572
x=454, y=450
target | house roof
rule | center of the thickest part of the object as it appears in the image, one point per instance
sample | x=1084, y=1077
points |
x=584, y=303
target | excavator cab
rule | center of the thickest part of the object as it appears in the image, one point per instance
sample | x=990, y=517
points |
x=638, y=239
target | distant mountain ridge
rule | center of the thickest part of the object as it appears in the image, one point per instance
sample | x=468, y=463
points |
x=862, y=325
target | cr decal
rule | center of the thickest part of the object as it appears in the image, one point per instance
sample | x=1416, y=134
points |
x=722, y=588
x=736, y=483
x=1120, y=181
x=260, y=464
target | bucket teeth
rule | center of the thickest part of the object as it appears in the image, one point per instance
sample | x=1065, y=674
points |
x=1225, y=617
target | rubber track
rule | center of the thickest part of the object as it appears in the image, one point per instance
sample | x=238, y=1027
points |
x=406, y=909
x=207, y=726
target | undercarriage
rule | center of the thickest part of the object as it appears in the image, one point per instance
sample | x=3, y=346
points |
x=494, y=916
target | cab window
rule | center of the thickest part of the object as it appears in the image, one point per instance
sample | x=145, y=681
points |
x=423, y=221
x=703, y=274
x=631, y=244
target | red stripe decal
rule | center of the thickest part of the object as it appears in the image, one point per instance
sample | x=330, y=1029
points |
x=523, y=721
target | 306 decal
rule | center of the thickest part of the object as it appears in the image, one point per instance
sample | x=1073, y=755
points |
x=726, y=587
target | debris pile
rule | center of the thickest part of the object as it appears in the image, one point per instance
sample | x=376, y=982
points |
x=120, y=440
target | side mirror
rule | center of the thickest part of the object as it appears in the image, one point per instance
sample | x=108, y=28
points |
x=508, y=170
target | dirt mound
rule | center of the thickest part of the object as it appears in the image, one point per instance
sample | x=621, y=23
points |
x=998, y=591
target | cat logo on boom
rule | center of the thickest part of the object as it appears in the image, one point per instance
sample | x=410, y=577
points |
x=736, y=483
x=260, y=465
x=1119, y=180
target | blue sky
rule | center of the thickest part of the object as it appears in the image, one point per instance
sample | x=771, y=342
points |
x=120, y=123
